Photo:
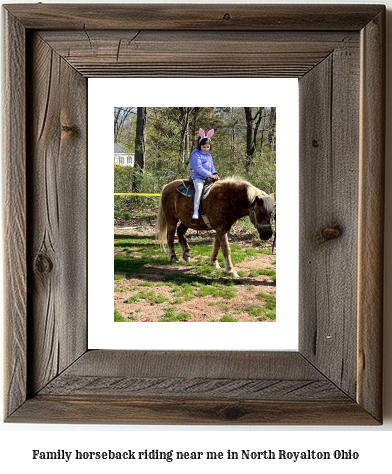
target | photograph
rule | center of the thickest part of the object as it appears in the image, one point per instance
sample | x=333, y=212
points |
x=195, y=214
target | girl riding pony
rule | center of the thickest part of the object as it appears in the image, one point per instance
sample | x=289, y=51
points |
x=202, y=167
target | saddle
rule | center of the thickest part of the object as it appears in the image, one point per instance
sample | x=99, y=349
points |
x=187, y=188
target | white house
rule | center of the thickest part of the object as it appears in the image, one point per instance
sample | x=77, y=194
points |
x=122, y=156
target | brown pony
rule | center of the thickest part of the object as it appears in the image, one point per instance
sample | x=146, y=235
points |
x=228, y=200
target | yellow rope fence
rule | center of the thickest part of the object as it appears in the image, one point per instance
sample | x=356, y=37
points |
x=135, y=194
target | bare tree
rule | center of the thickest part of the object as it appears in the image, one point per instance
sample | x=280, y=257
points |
x=272, y=129
x=268, y=130
x=121, y=115
x=233, y=123
x=252, y=127
x=184, y=120
x=194, y=127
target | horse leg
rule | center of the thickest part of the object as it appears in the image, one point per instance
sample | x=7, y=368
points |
x=181, y=231
x=224, y=242
x=171, y=230
x=214, y=254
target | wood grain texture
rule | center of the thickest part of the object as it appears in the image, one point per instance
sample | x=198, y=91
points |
x=371, y=216
x=14, y=209
x=57, y=206
x=134, y=53
x=118, y=410
x=208, y=364
x=192, y=387
x=329, y=137
x=188, y=17
x=208, y=375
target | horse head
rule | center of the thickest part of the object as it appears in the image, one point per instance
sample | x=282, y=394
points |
x=260, y=215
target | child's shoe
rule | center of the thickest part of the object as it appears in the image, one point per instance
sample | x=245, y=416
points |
x=195, y=215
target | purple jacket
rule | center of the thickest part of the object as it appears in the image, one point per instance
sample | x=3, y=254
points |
x=202, y=166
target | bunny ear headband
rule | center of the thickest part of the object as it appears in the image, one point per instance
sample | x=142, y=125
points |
x=203, y=134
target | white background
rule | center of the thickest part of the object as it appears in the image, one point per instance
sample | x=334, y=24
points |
x=103, y=332
x=372, y=443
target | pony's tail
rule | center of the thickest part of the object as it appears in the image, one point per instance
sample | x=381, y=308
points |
x=161, y=226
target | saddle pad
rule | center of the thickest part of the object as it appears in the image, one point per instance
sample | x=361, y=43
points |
x=188, y=191
x=184, y=190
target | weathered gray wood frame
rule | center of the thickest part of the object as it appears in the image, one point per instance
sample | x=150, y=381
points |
x=337, y=52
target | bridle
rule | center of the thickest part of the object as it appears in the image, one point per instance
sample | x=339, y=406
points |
x=256, y=224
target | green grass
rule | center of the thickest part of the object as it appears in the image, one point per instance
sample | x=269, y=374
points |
x=169, y=316
x=183, y=278
x=150, y=254
x=268, y=298
x=185, y=291
x=119, y=276
x=122, y=263
x=144, y=247
x=270, y=315
x=224, y=319
x=255, y=310
x=142, y=256
x=257, y=272
x=147, y=295
x=228, y=319
x=210, y=271
x=264, y=312
x=117, y=317
x=217, y=290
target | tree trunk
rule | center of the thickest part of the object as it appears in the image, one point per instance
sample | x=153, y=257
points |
x=233, y=124
x=184, y=150
x=252, y=126
x=272, y=129
x=140, y=148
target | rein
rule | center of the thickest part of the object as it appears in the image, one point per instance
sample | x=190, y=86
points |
x=257, y=225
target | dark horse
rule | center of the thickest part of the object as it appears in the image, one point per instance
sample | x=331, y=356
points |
x=228, y=200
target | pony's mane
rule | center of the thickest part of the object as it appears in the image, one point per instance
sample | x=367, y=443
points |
x=252, y=191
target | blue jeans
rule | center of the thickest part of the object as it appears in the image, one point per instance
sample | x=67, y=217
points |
x=198, y=183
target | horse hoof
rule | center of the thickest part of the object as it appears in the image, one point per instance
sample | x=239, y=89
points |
x=216, y=265
x=234, y=274
x=187, y=258
x=173, y=259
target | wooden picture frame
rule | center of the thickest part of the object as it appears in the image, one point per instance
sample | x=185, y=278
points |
x=338, y=54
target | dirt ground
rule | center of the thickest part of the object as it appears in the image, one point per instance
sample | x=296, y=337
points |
x=200, y=309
